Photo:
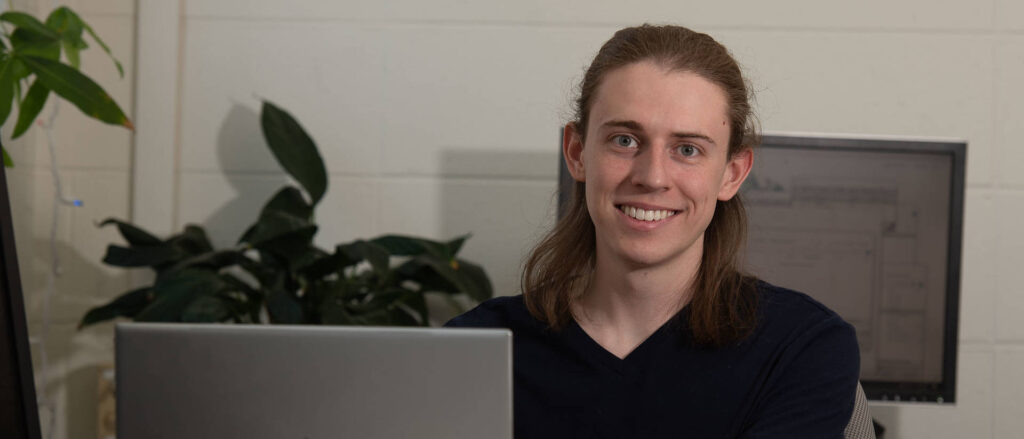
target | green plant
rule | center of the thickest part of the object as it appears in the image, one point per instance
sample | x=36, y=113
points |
x=31, y=54
x=276, y=274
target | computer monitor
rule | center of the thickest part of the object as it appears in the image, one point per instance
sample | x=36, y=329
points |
x=872, y=228
x=19, y=416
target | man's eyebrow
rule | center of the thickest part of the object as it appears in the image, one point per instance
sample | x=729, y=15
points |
x=636, y=126
x=633, y=125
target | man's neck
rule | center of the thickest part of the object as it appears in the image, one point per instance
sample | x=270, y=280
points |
x=626, y=303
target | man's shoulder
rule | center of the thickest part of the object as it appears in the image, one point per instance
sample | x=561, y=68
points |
x=776, y=300
x=799, y=329
x=789, y=311
x=498, y=312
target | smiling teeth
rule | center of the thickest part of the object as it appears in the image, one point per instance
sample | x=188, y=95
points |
x=646, y=215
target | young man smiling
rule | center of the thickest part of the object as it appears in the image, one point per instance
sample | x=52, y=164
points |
x=636, y=320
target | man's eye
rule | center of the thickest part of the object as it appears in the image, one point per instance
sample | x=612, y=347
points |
x=625, y=141
x=688, y=150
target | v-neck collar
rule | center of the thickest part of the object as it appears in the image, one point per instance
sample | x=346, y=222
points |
x=635, y=361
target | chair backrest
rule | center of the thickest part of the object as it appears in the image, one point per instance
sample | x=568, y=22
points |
x=860, y=425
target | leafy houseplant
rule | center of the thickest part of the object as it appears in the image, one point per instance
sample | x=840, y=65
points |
x=33, y=50
x=276, y=274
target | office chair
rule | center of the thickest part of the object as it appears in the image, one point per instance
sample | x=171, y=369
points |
x=860, y=425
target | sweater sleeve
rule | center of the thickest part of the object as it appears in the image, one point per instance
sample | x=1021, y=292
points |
x=811, y=391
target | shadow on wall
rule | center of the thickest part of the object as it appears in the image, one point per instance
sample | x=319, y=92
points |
x=240, y=150
x=506, y=199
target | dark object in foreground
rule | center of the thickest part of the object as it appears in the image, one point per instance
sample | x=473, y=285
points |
x=19, y=417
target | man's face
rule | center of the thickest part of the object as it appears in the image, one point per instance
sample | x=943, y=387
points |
x=655, y=161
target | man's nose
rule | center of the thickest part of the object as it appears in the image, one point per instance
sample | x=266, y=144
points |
x=649, y=169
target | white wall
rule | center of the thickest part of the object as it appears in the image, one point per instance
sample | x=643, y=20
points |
x=441, y=118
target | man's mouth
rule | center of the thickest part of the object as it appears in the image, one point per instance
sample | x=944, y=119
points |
x=645, y=214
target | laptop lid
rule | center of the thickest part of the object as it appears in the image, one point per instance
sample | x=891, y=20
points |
x=308, y=382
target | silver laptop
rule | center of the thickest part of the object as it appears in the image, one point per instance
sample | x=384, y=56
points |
x=311, y=382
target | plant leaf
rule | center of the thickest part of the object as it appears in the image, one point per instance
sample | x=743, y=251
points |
x=400, y=316
x=457, y=276
x=69, y=27
x=291, y=247
x=206, y=309
x=413, y=304
x=134, y=235
x=263, y=273
x=456, y=244
x=6, y=87
x=282, y=305
x=30, y=107
x=332, y=309
x=327, y=264
x=194, y=240
x=71, y=51
x=20, y=71
x=120, y=70
x=64, y=21
x=282, y=234
x=422, y=273
x=78, y=89
x=247, y=235
x=475, y=281
x=294, y=150
x=399, y=245
x=8, y=163
x=126, y=305
x=290, y=200
x=214, y=260
x=29, y=23
x=27, y=43
x=253, y=304
x=393, y=313
x=276, y=224
x=140, y=256
x=177, y=292
x=311, y=255
x=236, y=284
x=375, y=254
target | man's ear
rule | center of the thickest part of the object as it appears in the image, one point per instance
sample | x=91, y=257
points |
x=736, y=171
x=572, y=150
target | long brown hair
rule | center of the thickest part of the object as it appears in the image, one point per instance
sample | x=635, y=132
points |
x=723, y=305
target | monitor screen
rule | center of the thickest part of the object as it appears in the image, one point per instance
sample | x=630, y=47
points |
x=19, y=417
x=872, y=229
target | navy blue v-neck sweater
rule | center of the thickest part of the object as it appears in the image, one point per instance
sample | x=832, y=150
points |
x=794, y=377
